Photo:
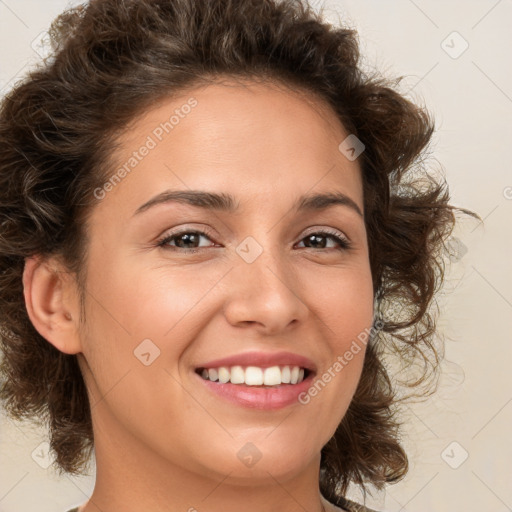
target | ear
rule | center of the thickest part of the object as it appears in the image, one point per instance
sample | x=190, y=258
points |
x=52, y=303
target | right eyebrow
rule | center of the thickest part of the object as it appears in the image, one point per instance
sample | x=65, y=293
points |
x=200, y=199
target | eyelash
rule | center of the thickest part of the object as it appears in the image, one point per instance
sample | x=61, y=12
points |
x=162, y=242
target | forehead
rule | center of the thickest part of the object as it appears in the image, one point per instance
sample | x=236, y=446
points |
x=259, y=138
x=226, y=106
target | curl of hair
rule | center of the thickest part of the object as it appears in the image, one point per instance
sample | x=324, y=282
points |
x=114, y=60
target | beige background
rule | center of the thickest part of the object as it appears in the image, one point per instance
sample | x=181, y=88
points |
x=471, y=97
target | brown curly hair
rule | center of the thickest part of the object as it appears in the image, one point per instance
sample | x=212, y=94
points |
x=111, y=61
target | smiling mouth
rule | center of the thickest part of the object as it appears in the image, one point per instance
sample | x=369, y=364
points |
x=255, y=376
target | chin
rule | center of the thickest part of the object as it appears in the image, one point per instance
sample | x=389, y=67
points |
x=255, y=463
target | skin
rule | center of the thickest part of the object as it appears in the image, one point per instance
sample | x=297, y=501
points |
x=163, y=442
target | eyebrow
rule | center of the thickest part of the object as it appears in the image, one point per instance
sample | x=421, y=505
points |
x=228, y=203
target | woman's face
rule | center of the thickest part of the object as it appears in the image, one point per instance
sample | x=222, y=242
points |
x=257, y=287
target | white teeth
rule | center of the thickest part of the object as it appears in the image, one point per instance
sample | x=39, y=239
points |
x=285, y=375
x=237, y=375
x=272, y=376
x=223, y=374
x=295, y=375
x=254, y=375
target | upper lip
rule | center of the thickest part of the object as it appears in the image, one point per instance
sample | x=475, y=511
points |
x=262, y=359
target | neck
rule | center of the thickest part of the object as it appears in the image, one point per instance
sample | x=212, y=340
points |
x=138, y=479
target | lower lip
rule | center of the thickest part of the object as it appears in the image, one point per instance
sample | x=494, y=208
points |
x=255, y=397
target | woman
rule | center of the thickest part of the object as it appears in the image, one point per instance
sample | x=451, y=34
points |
x=247, y=369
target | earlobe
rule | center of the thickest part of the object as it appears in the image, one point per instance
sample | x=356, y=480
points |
x=47, y=291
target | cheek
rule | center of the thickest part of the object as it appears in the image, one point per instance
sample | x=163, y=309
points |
x=343, y=300
x=156, y=302
x=139, y=324
x=344, y=305
x=131, y=302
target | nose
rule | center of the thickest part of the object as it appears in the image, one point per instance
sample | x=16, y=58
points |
x=265, y=294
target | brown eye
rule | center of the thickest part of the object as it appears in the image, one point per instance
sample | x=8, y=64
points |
x=186, y=240
x=317, y=240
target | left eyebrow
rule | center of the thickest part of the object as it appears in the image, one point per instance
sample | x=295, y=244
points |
x=228, y=203
x=316, y=202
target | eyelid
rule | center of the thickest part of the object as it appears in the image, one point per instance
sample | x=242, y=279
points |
x=171, y=234
x=331, y=231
